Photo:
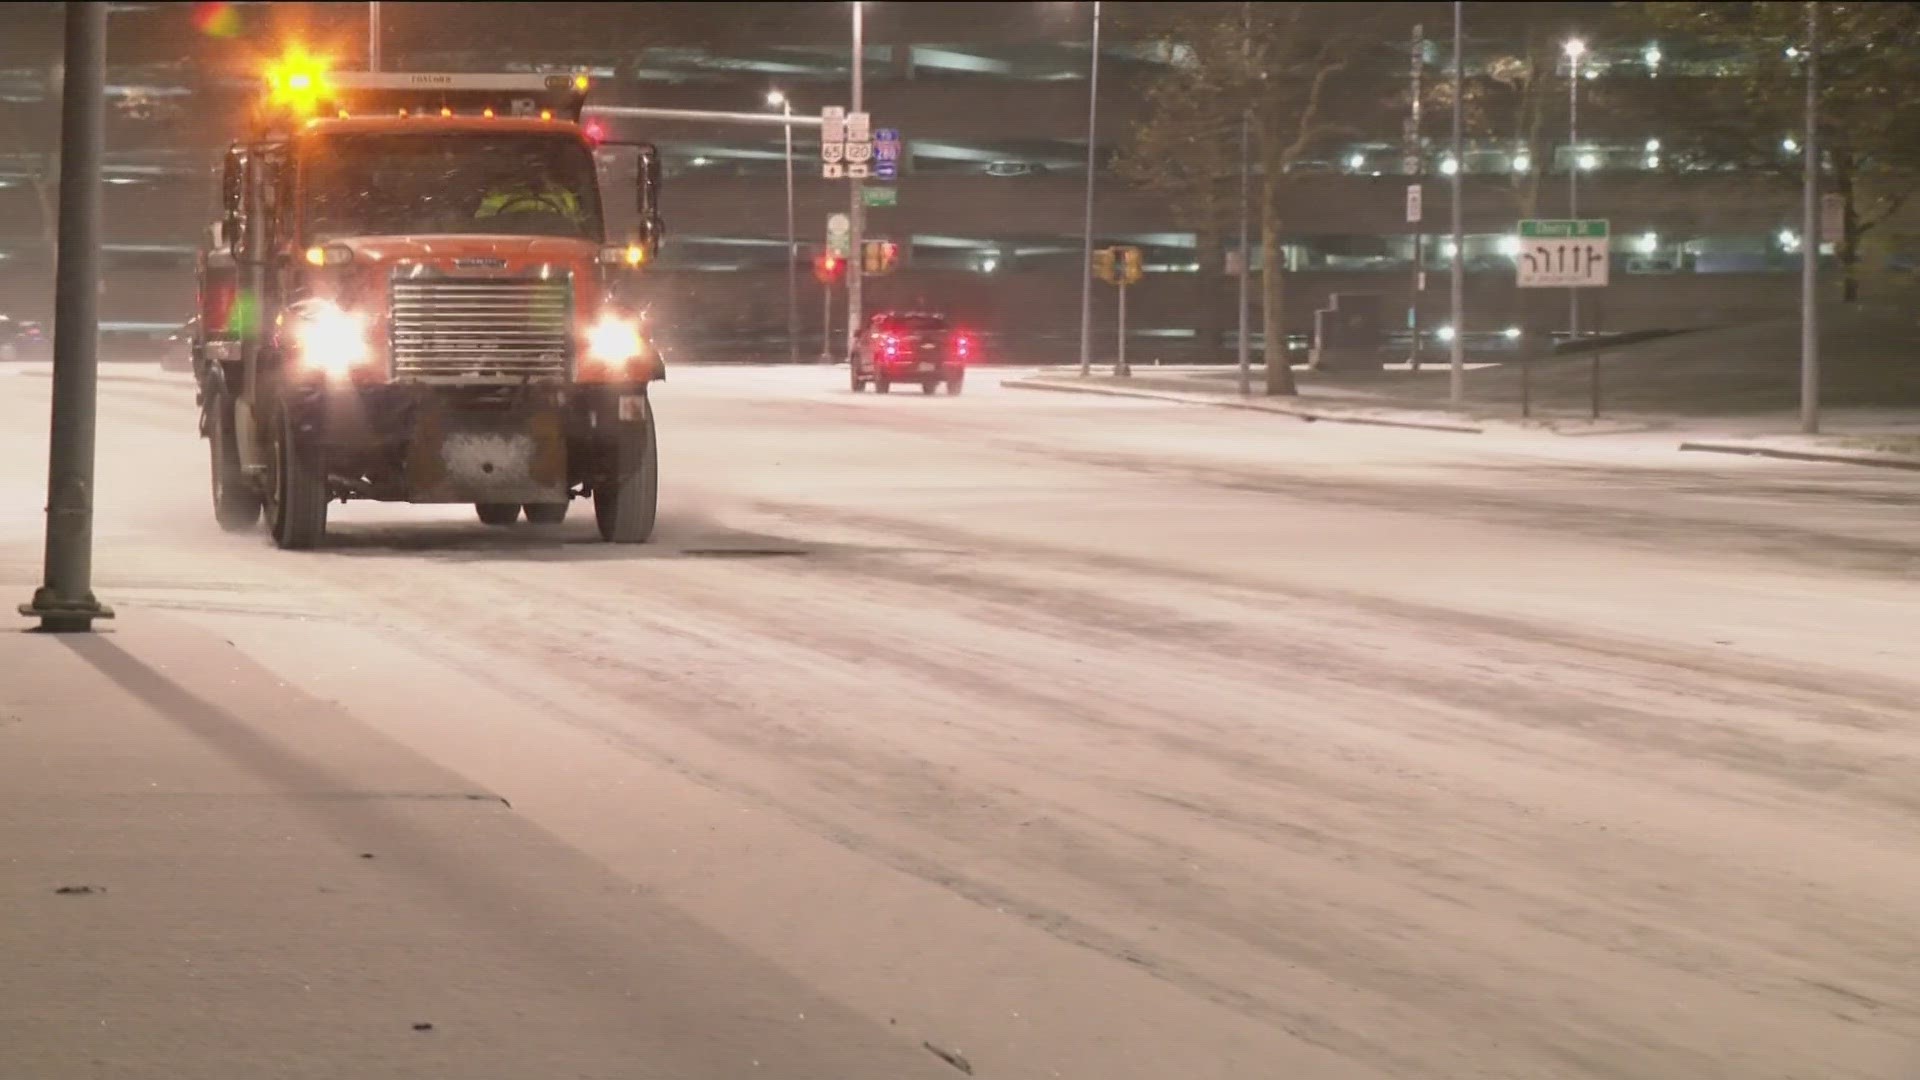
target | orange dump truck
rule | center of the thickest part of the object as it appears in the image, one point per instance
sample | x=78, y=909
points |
x=415, y=293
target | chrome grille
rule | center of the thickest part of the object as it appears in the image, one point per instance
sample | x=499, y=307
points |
x=480, y=330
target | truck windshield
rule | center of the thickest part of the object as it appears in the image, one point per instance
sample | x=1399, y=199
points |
x=449, y=183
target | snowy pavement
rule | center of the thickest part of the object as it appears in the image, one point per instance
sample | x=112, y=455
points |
x=1110, y=738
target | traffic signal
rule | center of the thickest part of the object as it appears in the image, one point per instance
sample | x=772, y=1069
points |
x=879, y=256
x=1133, y=266
x=1103, y=264
x=829, y=268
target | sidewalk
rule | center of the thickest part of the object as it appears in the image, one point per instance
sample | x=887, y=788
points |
x=1885, y=438
x=207, y=874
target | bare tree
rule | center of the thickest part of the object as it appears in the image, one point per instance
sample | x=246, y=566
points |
x=1273, y=63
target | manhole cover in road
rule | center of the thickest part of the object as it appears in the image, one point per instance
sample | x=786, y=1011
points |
x=741, y=553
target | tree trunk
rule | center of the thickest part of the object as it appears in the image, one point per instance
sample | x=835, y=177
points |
x=1846, y=246
x=1210, y=304
x=1273, y=293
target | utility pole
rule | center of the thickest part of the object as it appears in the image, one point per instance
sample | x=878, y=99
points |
x=1086, y=247
x=1810, y=238
x=1416, y=162
x=793, y=244
x=1246, y=171
x=65, y=602
x=1575, y=50
x=858, y=211
x=1456, y=287
x=373, y=35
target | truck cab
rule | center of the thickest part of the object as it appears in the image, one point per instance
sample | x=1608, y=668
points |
x=420, y=290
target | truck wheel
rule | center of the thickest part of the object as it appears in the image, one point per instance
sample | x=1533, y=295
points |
x=930, y=386
x=497, y=513
x=546, y=513
x=954, y=386
x=236, y=501
x=626, y=501
x=297, y=498
x=882, y=385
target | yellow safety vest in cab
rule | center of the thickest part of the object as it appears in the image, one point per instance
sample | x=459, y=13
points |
x=551, y=197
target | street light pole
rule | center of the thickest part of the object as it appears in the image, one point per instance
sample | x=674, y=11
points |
x=373, y=35
x=65, y=602
x=1086, y=246
x=1246, y=170
x=1575, y=49
x=857, y=212
x=793, y=247
x=1457, y=348
x=1810, y=238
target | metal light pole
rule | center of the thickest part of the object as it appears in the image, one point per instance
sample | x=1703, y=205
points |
x=65, y=602
x=373, y=35
x=1086, y=247
x=1575, y=50
x=1810, y=238
x=1246, y=171
x=793, y=248
x=857, y=211
x=1417, y=159
x=1457, y=289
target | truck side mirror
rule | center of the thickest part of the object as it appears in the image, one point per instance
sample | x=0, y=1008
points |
x=649, y=182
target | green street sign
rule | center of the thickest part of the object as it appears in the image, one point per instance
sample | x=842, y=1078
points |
x=1589, y=228
x=879, y=196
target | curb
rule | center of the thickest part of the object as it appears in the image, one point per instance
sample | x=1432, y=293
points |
x=1801, y=455
x=1189, y=399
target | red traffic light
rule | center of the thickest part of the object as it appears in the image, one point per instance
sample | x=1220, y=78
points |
x=829, y=268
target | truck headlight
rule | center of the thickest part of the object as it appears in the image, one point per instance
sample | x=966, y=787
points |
x=330, y=339
x=613, y=343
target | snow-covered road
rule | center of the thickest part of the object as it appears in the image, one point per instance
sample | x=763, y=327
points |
x=1117, y=739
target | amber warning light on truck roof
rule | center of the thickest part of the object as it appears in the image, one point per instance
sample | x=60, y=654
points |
x=305, y=86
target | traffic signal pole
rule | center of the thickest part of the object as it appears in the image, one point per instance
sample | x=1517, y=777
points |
x=65, y=602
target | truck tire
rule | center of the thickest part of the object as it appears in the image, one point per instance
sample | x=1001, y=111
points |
x=626, y=501
x=497, y=513
x=882, y=385
x=854, y=381
x=546, y=513
x=297, y=497
x=236, y=501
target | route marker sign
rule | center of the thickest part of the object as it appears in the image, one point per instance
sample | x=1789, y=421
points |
x=1565, y=254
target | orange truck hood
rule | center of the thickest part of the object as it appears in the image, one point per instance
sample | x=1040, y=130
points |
x=523, y=254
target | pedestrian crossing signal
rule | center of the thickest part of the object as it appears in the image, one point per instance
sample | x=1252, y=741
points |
x=1103, y=266
x=879, y=257
x=1119, y=265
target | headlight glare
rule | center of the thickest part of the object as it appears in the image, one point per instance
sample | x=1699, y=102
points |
x=330, y=339
x=612, y=342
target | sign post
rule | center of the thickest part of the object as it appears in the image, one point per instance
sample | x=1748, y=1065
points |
x=1566, y=254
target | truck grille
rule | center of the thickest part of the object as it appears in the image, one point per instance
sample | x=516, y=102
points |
x=481, y=330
